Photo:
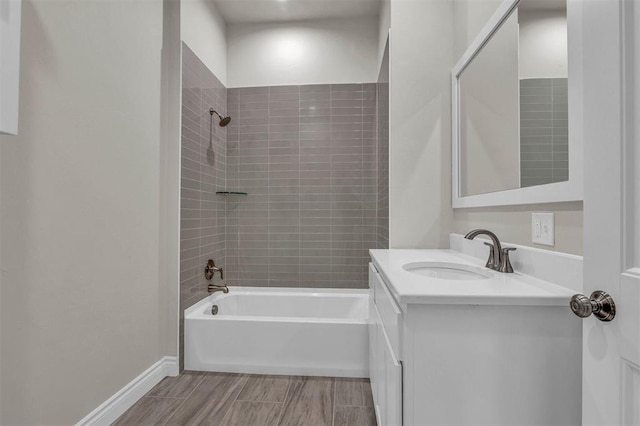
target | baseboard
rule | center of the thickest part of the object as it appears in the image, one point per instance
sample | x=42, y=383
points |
x=124, y=399
x=283, y=370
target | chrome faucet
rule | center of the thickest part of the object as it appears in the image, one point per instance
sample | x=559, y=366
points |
x=498, y=256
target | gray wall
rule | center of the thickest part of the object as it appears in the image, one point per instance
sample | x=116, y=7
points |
x=307, y=157
x=203, y=173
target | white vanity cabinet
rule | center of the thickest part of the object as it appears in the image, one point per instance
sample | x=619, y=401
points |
x=444, y=359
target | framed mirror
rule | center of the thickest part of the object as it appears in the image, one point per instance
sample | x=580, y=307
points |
x=517, y=109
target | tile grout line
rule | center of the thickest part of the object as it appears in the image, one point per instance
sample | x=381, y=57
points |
x=331, y=141
x=362, y=168
x=299, y=191
x=248, y=376
x=269, y=184
x=284, y=402
x=230, y=409
x=184, y=400
x=163, y=397
x=333, y=402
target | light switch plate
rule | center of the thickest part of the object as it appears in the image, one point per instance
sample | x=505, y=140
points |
x=543, y=229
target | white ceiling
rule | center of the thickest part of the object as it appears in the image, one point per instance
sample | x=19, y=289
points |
x=241, y=11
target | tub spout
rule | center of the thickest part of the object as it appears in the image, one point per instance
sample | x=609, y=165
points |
x=214, y=288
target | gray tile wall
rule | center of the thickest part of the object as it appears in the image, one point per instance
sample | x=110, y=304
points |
x=383, y=152
x=307, y=156
x=544, y=147
x=202, y=226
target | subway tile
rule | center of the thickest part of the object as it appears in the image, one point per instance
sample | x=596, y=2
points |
x=537, y=123
x=311, y=111
x=536, y=107
x=315, y=88
x=284, y=89
x=285, y=112
x=315, y=96
x=545, y=131
x=299, y=162
x=536, y=82
x=284, y=97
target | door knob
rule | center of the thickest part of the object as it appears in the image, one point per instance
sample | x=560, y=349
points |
x=600, y=304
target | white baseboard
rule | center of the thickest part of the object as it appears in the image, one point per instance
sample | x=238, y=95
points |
x=124, y=399
x=275, y=370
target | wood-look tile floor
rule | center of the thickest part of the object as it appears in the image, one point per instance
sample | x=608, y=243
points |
x=197, y=398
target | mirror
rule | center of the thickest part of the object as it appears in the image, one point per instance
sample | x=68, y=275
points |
x=511, y=108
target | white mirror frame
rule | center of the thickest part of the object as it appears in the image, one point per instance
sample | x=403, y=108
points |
x=570, y=190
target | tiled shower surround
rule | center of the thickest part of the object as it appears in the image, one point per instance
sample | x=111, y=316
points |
x=202, y=227
x=316, y=179
x=307, y=157
x=544, y=155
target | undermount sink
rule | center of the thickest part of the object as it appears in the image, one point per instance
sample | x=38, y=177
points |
x=448, y=271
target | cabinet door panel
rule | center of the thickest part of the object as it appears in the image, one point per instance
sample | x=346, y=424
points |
x=373, y=348
x=393, y=385
x=381, y=373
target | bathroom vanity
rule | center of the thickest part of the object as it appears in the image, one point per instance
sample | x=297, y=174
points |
x=452, y=342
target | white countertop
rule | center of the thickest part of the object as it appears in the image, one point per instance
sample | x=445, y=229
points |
x=500, y=289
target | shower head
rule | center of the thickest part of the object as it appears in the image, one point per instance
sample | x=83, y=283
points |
x=224, y=121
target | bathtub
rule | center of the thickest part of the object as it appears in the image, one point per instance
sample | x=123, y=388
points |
x=311, y=332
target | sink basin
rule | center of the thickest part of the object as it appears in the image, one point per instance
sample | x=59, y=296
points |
x=448, y=271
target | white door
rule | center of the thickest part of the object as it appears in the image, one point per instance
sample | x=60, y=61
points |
x=611, y=350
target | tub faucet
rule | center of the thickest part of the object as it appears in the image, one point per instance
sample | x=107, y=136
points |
x=210, y=270
x=498, y=257
x=214, y=288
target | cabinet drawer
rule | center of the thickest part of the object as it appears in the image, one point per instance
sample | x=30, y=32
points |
x=390, y=312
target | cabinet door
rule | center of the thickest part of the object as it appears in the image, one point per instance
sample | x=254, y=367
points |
x=386, y=378
x=391, y=368
x=379, y=388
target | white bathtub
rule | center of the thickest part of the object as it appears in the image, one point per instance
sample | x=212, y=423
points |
x=313, y=332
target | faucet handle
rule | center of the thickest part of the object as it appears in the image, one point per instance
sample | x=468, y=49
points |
x=491, y=264
x=210, y=270
x=505, y=265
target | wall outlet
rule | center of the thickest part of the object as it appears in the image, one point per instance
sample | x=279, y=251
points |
x=543, y=229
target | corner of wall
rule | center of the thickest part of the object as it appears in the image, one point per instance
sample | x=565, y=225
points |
x=384, y=25
x=169, y=232
x=420, y=140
